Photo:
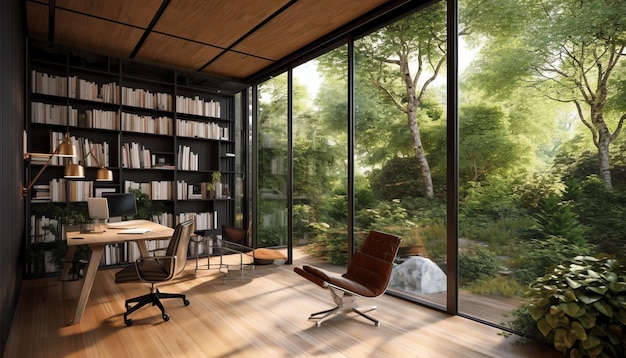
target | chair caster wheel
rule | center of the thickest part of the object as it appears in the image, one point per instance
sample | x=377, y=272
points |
x=166, y=317
x=186, y=302
x=129, y=322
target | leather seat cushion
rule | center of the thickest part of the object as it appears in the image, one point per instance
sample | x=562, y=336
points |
x=151, y=270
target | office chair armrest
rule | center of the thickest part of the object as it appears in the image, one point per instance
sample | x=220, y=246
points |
x=157, y=260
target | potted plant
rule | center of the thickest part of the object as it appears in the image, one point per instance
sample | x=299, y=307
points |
x=580, y=307
x=216, y=178
x=146, y=208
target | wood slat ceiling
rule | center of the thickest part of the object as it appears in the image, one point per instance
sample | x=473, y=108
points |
x=233, y=39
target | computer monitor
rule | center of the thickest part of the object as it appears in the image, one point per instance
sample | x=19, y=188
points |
x=120, y=205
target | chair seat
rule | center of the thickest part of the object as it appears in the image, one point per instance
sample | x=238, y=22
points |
x=340, y=281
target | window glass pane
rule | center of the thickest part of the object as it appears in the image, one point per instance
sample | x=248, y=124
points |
x=272, y=162
x=400, y=147
x=320, y=123
x=540, y=161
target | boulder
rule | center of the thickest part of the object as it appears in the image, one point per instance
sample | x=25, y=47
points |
x=418, y=275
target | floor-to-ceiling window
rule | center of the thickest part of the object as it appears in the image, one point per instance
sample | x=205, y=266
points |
x=272, y=166
x=400, y=146
x=320, y=156
x=540, y=155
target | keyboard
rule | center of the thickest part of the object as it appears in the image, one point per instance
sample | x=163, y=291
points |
x=128, y=224
x=139, y=230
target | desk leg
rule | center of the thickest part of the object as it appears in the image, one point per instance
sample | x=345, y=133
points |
x=69, y=257
x=90, y=275
x=143, y=248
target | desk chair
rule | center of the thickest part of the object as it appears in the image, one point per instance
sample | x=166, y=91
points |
x=157, y=269
x=367, y=276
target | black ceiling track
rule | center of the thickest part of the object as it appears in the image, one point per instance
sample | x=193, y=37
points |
x=51, y=7
x=253, y=30
x=148, y=30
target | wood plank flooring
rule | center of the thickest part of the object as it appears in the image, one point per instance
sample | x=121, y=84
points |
x=263, y=314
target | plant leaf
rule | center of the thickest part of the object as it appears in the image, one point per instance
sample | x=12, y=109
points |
x=604, y=308
x=590, y=342
x=599, y=290
x=572, y=309
x=578, y=330
x=587, y=320
x=563, y=340
x=544, y=327
x=588, y=299
x=573, y=284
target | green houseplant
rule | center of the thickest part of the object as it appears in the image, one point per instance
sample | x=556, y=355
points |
x=580, y=307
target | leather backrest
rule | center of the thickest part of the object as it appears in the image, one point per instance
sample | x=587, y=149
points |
x=179, y=244
x=371, y=266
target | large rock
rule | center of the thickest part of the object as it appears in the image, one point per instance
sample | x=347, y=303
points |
x=418, y=275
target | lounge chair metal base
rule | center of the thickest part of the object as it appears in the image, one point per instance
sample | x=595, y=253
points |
x=346, y=303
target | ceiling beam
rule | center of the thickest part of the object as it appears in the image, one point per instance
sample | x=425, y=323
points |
x=148, y=29
x=253, y=30
x=51, y=9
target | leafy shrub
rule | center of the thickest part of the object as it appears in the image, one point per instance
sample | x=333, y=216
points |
x=580, y=307
x=477, y=262
x=329, y=243
x=496, y=286
x=539, y=254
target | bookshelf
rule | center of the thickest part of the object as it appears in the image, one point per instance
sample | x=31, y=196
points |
x=160, y=131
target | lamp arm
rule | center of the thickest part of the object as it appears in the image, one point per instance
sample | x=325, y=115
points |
x=32, y=182
x=94, y=156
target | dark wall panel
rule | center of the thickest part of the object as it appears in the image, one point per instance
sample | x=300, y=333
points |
x=12, y=98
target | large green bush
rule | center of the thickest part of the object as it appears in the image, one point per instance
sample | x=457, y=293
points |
x=580, y=307
x=477, y=262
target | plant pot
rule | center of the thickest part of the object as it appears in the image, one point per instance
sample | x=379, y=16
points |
x=70, y=289
x=404, y=251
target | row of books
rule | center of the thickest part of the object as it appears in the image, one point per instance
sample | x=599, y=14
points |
x=156, y=189
x=48, y=84
x=146, y=124
x=197, y=106
x=94, y=118
x=136, y=156
x=75, y=87
x=48, y=113
x=62, y=190
x=83, y=89
x=203, y=221
x=43, y=229
x=90, y=154
x=187, y=160
x=138, y=97
x=206, y=130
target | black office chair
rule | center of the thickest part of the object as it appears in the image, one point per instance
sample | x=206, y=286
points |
x=156, y=269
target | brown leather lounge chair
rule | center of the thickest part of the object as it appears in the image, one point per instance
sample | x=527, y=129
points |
x=367, y=276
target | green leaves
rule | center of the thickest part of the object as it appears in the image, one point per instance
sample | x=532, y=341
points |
x=580, y=306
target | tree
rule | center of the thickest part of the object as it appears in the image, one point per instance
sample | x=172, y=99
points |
x=570, y=51
x=386, y=58
x=486, y=145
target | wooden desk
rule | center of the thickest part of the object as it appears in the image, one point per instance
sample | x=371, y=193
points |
x=96, y=242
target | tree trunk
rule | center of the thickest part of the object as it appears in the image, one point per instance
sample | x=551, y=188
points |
x=604, y=140
x=420, y=154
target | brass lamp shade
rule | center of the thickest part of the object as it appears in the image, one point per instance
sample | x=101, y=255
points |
x=66, y=148
x=74, y=171
x=103, y=174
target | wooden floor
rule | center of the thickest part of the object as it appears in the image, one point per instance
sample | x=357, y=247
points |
x=262, y=315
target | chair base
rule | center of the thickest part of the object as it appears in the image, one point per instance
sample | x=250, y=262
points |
x=153, y=298
x=346, y=303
